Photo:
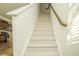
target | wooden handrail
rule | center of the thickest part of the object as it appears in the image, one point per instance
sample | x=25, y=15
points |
x=57, y=16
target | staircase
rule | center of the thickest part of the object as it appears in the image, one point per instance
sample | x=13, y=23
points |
x=42, y=42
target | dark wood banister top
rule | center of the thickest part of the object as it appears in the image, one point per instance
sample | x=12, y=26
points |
x=57, y=16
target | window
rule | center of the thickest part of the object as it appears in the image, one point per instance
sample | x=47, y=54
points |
x=73, y=35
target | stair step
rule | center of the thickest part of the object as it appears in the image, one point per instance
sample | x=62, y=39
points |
x=44, y=18
x=41, y=28
x=43, y=32
x=42, y=36
x=44, y=41
x=42, y=44
x=43, y=23
x=40, y=39
x=49, y=27
x=42, y=52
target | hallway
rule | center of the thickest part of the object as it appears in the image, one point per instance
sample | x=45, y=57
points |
x=42, y=41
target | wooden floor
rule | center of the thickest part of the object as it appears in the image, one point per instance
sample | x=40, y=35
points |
x=6, y=49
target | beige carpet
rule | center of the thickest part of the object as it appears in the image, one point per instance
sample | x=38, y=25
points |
x=42, y=42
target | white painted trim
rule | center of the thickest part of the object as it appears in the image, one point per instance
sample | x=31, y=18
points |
x=19, y=10
x=5, y=19
x=59, y=49
x=60, y=52
x=27, y=42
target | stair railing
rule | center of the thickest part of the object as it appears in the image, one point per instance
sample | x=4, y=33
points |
x=57, y=16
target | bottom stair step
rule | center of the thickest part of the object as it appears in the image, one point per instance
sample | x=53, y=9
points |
x=42, y=44
x=41, y=52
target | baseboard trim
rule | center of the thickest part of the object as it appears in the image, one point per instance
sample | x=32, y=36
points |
x=28, y=40
x=60, y=52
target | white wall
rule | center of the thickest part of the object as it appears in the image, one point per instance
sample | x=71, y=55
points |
x=23, y=24
x=59, y=30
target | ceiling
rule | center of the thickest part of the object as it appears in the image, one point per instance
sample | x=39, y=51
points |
x=6, y=7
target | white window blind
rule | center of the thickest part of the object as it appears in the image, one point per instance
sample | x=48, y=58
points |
x=73, y=35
